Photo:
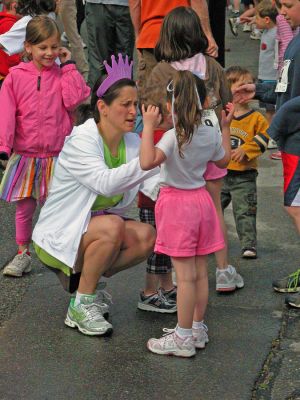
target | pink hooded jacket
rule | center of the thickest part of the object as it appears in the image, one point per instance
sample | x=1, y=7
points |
x=35, y=108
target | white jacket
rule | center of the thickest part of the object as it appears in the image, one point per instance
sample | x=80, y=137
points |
x=80, y=175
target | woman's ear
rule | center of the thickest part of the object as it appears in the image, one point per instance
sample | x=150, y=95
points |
x=102, y=107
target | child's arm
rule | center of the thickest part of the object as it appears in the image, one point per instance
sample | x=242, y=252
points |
x=257, y=146
x=286, y=121
x=150, y=156
x=74, y=88
x=225, y=126
x=7, y=117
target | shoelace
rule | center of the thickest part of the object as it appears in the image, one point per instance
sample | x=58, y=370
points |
x=168, y=330
x=293, y=279
x=104, y=296
x=93, y=311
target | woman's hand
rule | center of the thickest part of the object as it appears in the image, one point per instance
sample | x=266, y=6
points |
x=151, y=116
x=227, y=118
x=64, y=55
x=244, y=93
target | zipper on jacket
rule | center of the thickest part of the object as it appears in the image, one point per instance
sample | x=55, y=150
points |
x=39, y=83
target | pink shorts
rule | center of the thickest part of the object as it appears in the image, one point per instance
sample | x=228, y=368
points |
x=187, y=223
x=213, y=172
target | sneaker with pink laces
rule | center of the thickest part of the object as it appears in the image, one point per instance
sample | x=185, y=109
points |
x=200, y=336
x=276, y=155
x=171, y=344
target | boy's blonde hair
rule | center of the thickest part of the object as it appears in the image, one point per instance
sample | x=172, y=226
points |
x=235, y=73
x=266, y=8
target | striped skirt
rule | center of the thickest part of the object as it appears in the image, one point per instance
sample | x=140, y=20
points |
x=27, y=177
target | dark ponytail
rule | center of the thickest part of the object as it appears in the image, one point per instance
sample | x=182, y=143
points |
x=187, y=90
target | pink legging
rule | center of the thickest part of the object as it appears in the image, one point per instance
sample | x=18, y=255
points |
x=24, y=212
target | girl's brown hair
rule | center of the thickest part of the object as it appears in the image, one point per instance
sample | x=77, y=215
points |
x=181, y=36
x=41, y=28
x=184, y=92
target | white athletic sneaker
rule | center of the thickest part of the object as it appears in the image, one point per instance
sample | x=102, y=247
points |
x=87, y=317
x=171, y=344
x=200, y=336
x=272, y=144
x=20, y=264
x=228, y=280
x=247, y=27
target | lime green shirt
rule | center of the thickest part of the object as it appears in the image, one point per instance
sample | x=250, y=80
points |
x=102, y=202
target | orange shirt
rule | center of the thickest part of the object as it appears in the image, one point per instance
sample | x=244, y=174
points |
x=152, y=15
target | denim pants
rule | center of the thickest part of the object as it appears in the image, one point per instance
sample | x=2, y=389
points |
x=240, y=188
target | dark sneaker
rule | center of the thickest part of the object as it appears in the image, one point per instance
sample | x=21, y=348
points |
x=249, y=252
x=157, y=303
x=170, y=295
x=293, y=300
x=289, y=284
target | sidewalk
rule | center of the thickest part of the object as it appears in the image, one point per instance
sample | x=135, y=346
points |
x=254, y=345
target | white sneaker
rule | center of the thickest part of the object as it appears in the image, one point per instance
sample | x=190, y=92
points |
x=20, y=264
x=171, y=344
x=272, y=144
x=247, y=27
x=228, y=280
x=255, y=35
x=200, y=336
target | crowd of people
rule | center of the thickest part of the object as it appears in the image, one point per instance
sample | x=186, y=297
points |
x=81, y=139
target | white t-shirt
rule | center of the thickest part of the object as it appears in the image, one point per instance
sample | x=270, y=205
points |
x=187, y=172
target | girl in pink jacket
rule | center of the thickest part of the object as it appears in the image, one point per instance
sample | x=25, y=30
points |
x=36, y=101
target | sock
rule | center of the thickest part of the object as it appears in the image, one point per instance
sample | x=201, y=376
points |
x=197, y=324
x=183, y=333
x=79, y=296
x=228, y=269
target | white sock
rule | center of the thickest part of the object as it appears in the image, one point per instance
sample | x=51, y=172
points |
x=228, y=269
x=79, y=297
x=183, y=333
x=197, y=324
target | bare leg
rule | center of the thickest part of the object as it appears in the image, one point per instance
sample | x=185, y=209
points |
x=294, y=212
x=201, y=288
x=186, y=289
x=111, y=245
x=214, y=188
x=153, y=281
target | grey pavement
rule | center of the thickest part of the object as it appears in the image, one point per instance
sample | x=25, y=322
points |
x=254, y=345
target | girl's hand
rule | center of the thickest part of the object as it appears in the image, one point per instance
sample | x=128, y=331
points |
x=64, y=55
x=226, y=119
x=151, y=116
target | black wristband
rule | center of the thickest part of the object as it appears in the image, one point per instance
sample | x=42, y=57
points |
x=67, y=63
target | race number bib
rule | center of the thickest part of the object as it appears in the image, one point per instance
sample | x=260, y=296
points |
x=209, y=118
x=282, y=83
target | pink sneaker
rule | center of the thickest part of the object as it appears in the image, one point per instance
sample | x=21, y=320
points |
x=171, y=344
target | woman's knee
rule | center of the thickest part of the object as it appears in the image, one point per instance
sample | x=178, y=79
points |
x=147, y=236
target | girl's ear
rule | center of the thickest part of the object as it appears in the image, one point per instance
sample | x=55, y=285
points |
x=169, y=107
x=28, y=48
x=205, y=105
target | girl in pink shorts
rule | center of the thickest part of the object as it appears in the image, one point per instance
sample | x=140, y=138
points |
x=187, y=224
